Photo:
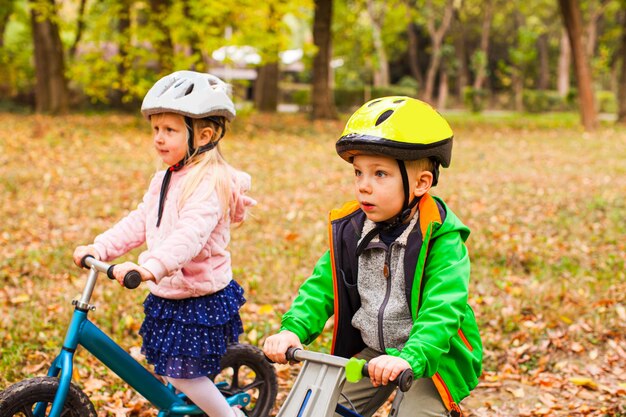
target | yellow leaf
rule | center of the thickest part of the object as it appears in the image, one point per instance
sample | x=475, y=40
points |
x=22, y=298
x=253, y=336
x=584, y=382
x=266, y=309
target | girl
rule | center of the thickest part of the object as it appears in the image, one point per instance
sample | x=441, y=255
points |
x=192, y=311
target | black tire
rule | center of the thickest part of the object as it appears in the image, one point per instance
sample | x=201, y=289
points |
x=20, y=399
x=245, y=369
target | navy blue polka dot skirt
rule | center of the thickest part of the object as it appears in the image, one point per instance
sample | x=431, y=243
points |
x=187, y=338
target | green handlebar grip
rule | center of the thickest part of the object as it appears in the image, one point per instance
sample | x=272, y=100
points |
x=354, y=369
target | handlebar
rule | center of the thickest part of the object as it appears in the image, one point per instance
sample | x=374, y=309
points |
x=132, y=279
x=403, y=381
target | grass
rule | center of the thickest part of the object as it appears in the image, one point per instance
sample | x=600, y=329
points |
x=546, y=203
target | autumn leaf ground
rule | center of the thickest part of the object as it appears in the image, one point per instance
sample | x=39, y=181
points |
x=545, y=201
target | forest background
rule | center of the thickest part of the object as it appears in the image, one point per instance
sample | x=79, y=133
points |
x=535, y=92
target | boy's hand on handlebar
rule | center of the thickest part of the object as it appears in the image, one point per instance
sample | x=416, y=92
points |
x=122, y=269
x=82, y=251
x=385, y=368
x=276, y=345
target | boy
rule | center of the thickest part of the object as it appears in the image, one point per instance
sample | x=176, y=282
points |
x=396, y=275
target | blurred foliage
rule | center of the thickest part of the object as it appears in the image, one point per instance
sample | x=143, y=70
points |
x=126, y=45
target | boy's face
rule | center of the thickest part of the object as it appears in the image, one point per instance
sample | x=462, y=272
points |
x=169, y=137
x=378, y=186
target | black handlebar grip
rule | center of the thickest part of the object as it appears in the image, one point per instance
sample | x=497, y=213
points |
x=110, y=272
x=290, y=354
x=82, y=261
x=403, y=381
x=132, y=279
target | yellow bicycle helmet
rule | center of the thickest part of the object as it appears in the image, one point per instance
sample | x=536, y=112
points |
x=402, y=128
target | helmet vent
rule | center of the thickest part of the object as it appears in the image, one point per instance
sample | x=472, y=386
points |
x=399, y=101
x=373, y=102
x=189, y=90
x=384, y=117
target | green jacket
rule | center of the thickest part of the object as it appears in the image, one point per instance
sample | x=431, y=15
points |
x=444, y=343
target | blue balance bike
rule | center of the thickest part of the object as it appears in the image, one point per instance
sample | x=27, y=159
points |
x=247, y=379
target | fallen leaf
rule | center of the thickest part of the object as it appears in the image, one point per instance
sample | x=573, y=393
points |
x=584, y=382
x=517, y=392
x=266, y=309
x=22, y=298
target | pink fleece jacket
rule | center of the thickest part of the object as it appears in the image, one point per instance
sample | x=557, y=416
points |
x=187, y=253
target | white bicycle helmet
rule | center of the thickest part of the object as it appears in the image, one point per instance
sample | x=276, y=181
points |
x=189, y=93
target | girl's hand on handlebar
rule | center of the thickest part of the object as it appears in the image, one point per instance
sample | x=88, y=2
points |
x=122, y=269
x=276, y=345
x=385, y=368
x=82, y=251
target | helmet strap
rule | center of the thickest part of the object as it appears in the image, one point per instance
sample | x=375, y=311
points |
x=435, y=172
x=180, y=164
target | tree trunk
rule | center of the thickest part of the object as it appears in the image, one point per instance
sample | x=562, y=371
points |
x=442, y=97
x=413, y=55
x=621, y=91
x=572, y=20
x=595, y=14
x=51, y=93
x=195, y=43
x=323, y=106
x=565, y=61
x=460, y=51
x=377, y=17
x=123, y=45
x=79, y=28
x=436, y=35
x=266, y=88
x=7, y=86
x=481, y=72
x=544, y=62
x=162, y=41
x=5, y=14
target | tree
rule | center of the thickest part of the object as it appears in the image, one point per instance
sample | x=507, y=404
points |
x=564, y=63
x=572, y=21
x=266, y=87
x=322, y=98
x=51, y=92
x=376, y=13
x=5, y=13
x=621, y=95
x=481, y=60
x=413, y=49
x=436, y=35
x=162, y=38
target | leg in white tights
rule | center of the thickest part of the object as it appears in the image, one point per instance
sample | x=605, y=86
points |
x=203, y=392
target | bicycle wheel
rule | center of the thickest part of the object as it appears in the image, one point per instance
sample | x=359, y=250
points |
x=20, y=399
x=245, y=369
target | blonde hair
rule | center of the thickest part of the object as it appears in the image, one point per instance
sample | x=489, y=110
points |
x=211, y=164
x=419, y=165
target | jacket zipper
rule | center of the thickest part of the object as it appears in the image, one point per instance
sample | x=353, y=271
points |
x=465, y=341
x=381, y=310
x=441, y=386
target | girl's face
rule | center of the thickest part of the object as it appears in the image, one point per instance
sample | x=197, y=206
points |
x=169, y=136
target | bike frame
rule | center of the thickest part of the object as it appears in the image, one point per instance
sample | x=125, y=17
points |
x=84, y=333
x=317, y=389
